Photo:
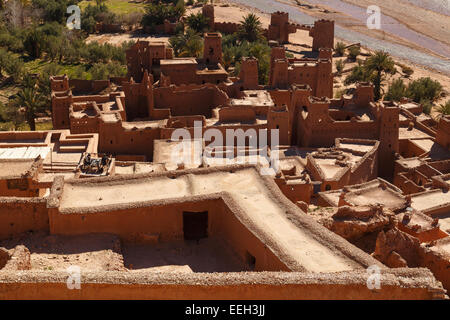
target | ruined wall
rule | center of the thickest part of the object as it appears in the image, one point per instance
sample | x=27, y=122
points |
x=190, y=100
x=88, y=86
x=406, y=185
x=438, y=263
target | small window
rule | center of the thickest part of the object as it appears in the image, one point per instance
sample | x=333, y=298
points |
x=327, y=187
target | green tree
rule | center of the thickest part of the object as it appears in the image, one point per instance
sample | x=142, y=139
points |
x=29, y=102
x=156, y=13
x=11, y=64
x=250, y=28
x=377, y=65
x=197, y=22
x=189, y=44
x=424, y=89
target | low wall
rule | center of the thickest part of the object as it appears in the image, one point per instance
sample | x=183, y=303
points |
x=409, y=284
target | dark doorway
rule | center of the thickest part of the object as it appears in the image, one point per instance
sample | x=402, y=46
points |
x=251, y=260
x=195, y=225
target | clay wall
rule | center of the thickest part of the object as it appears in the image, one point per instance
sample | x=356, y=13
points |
x=180, y=73
x=237, y=114
x=108, y=27
x=438, y=263
x=88, y=86
x=325, y=134
x=212, y=52
x=296, y=192
x=323, y=34
x=20, y=187
x=208, y=13
x=402, y=181
x=226, y=27
x=166, y=220
x=190, y=100
x=115, y=139
x=60, y=110
x=408, y=149
x=42, y=137
x=443, y=132
x=267, y=286
x=441, y=166
x=19, y=215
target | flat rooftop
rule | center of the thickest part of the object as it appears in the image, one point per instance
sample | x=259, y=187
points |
x=428, y=200
x=24, y=152
x=307, y=244
x=253, y=98
x=14, y=169
x=404, y=133
x=178, y=61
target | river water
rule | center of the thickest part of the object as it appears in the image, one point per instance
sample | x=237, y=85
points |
x=415, y=56
x=439, y=6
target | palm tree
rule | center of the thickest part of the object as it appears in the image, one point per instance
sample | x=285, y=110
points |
x=377, y=64
x=250, y=28
x=197, y=22
x=188, y=44
x=443, y=109
x=29, y=102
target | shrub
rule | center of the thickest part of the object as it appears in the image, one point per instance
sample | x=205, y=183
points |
x=354, y=52
x=407, y=71
x=444, y=109
x=396, y=91
x=340, y=49
x=358, y=74
x=427, y=106
x=102, y=71
x=424, y=89
x=339, y=66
